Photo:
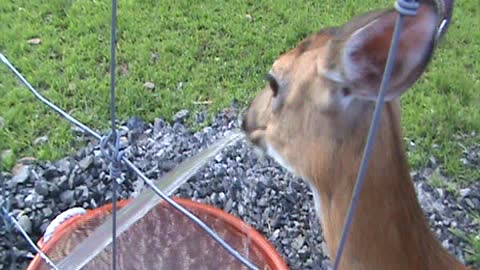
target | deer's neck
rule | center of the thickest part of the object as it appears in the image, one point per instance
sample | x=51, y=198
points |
x=389, y=230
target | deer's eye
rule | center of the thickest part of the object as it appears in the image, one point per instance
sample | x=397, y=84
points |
x=273, y=83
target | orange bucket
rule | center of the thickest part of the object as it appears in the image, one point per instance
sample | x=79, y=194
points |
x=166, y=239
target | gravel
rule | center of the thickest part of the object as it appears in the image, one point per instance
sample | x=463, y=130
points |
x=259, y=191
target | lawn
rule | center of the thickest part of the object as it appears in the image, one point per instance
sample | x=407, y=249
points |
x=202, y=55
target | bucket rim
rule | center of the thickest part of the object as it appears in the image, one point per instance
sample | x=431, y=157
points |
x=271, y=255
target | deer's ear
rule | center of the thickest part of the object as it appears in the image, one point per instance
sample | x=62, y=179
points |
x=365, y=51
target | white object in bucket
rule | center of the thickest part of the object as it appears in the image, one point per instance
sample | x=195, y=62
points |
x=64, y=216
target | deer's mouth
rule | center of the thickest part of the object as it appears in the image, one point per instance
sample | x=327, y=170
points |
x=254, y=132
x=255, y=136
x=257, y=139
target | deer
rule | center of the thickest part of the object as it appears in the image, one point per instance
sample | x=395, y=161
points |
x=313, y=116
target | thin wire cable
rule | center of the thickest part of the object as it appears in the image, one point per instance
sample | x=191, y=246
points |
x=27, y=237
x=115, y=166
x=47, y=102
x=129, y=164
x=392, y=55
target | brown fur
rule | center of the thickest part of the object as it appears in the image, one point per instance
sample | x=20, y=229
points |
x=323, y=140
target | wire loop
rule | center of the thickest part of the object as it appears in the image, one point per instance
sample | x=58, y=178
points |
x=407, y=7
x=113, y=154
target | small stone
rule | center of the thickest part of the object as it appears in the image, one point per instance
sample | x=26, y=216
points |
x=276, y=234
x=34, y=41
x=464, y=192
x=445, y=244
x=221, y=196
x=40, y=140
x=86, y=162
x=241, y=209
x=135, y=123
x=29, y=200
x=39, y=199
x=263, y=202
x=200, y=117
x=219, y=157
x=20, y=200
x=159, y=124
x=123, y=142
x=61, y=182
x=149, y=85
x=63, y=165
x=441, y=192
x=82, y=193
x=27, y=160
x=181, y=116
x=25, y=223
x=298, y=242
x=123, y=69
x=67, y=196
x=21, y=174
x=470, y=203
x=476, y=203
x=180, y=85
x=155, y=57
x=47, y=212
x=41, y=187
x=228, y=205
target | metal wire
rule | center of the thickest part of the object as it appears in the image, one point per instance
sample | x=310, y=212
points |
x=129, y=164
x=25, y=235
x=404, y=8
x=47, y=102
x=116, y=159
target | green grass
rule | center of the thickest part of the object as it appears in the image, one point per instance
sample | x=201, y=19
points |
x=207, y=51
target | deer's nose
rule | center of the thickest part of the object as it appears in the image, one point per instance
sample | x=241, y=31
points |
x=244, y=125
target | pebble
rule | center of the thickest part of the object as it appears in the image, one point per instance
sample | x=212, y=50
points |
x=67, y=196
x=86, y=162
x=25, y=223
x=149, y=85
x=464, y=192
x=40, y=140
x=47, y=212
x=21, y=175
x=181, y=116
x=41, y=187
x=298, y=242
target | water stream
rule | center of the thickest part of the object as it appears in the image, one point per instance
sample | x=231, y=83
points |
x=140, y=206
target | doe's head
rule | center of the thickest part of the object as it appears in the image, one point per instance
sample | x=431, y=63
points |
x=320, y=94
